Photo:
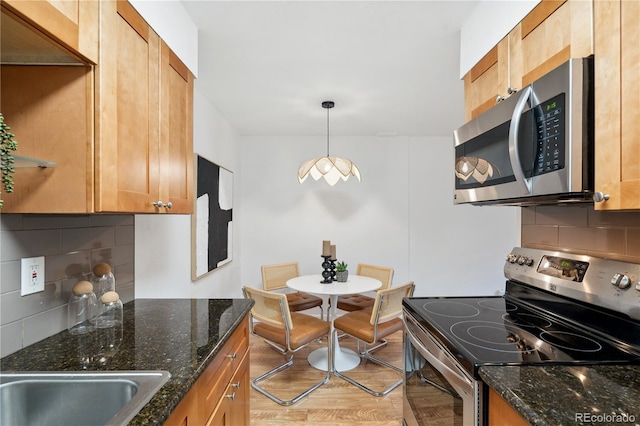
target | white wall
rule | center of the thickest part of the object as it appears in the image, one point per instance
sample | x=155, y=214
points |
x=163, y=242
x=454, y=250
x=401, y=215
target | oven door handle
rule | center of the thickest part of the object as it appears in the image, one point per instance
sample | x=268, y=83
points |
x=514, y=149
x=460, y=383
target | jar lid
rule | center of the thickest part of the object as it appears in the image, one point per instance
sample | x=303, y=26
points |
x=101, y=269
x=82, y=287
x=109, y=297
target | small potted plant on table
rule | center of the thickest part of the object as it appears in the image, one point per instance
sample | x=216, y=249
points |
x=341, y=272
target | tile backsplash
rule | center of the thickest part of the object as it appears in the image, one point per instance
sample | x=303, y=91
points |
x=71, y=245
x=578, y=228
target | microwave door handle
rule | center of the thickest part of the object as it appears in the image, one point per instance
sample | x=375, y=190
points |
x=514, y=152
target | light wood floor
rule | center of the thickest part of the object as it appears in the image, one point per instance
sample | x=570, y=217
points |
x=336, y=403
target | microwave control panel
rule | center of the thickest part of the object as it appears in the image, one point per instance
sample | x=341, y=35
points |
x=550, y=120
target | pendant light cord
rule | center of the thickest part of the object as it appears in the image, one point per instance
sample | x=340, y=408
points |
x=327, y=132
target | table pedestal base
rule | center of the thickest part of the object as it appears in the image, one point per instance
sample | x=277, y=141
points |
x=346, y=359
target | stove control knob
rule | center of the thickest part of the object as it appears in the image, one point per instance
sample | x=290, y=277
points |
x=511, y=258
x=521, y=260
x=621, y=281
x=625, y=282
x=528, y=261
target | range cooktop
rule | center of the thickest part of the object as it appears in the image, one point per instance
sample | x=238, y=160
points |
x=547, y=315
x=495, y=331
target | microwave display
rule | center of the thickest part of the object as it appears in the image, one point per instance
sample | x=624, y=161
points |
x=550, y=118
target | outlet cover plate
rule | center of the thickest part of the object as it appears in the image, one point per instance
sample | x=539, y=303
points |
x=31, y=275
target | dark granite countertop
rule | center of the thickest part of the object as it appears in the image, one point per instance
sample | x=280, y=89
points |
x=569, y=395
x=180, y=336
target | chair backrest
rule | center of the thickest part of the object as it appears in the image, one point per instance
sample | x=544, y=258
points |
x=275, y=277
x=381, y=273
x=270, y=307
x=388, y=303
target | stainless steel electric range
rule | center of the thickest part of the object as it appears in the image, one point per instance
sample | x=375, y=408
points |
x=558, y=308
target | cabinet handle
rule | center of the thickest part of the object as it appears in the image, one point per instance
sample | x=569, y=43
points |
x=599, y=197
x=236, y=385
x=500, y=98
x=511, y=90
x=232, y=356
x=231, y=397
x=161, y=204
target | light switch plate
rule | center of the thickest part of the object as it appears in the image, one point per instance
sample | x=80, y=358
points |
x=32, y=275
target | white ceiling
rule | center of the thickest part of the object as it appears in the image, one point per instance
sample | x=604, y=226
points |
x=391, y=67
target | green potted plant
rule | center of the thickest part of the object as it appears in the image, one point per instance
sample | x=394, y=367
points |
x=342, y=273
x=7, y=146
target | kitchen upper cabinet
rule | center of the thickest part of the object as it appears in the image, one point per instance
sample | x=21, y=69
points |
x=49, y=109
x=491, y=79
x=72, y=23
x=552, y=33
x=617, y=104
x=144, y=144
x=120, y=131
x=176, y=132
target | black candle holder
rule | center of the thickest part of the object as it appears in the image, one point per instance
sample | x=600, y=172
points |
x=333, y=269
x=326, y=274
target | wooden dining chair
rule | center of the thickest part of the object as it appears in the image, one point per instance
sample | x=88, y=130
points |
x=272, y=320
x=356, y=302
x=369, y=327
x=274, y=277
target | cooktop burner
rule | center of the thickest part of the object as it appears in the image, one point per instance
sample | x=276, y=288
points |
x=495, y=331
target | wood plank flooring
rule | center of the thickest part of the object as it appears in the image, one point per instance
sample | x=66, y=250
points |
x=336, y=403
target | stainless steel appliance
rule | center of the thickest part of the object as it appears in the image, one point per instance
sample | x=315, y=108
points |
x=534, y=147
x=558, y=308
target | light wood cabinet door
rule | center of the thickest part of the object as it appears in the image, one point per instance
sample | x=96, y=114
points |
x=220, y=396
x=501, y=414
x=72, y=23
x=127, y=125
x=187, y=413
x=552, y=33
x=617, y=104
x=176, y=173
x=233, y=409
x=491, y=78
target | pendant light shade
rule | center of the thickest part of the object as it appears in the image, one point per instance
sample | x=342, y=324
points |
x=331, y=168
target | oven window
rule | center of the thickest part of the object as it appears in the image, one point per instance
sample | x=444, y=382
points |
x=428, y=395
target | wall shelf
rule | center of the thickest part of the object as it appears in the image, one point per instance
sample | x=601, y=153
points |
x=22, y=161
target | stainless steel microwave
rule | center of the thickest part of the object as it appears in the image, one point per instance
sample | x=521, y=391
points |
x=535, y=147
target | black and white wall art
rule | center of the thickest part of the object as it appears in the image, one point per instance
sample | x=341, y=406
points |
x=212, y=221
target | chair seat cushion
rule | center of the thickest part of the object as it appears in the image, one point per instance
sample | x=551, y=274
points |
x=355, y=302
x=300, y=301
x=357, y=324
x=305, y=329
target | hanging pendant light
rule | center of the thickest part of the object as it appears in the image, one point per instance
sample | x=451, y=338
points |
x=331, y=168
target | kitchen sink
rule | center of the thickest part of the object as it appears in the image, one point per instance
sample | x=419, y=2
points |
x=76, y=398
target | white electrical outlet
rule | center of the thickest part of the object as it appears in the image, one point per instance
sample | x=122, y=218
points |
x=32, y=275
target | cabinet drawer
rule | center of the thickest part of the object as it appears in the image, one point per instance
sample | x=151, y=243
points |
x=215, y=379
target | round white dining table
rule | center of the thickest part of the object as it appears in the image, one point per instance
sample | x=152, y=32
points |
x=345, y=359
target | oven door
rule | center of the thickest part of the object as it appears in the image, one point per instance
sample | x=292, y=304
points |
x=437, y=390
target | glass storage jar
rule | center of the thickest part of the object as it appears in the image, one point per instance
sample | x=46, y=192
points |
x=82, y=308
